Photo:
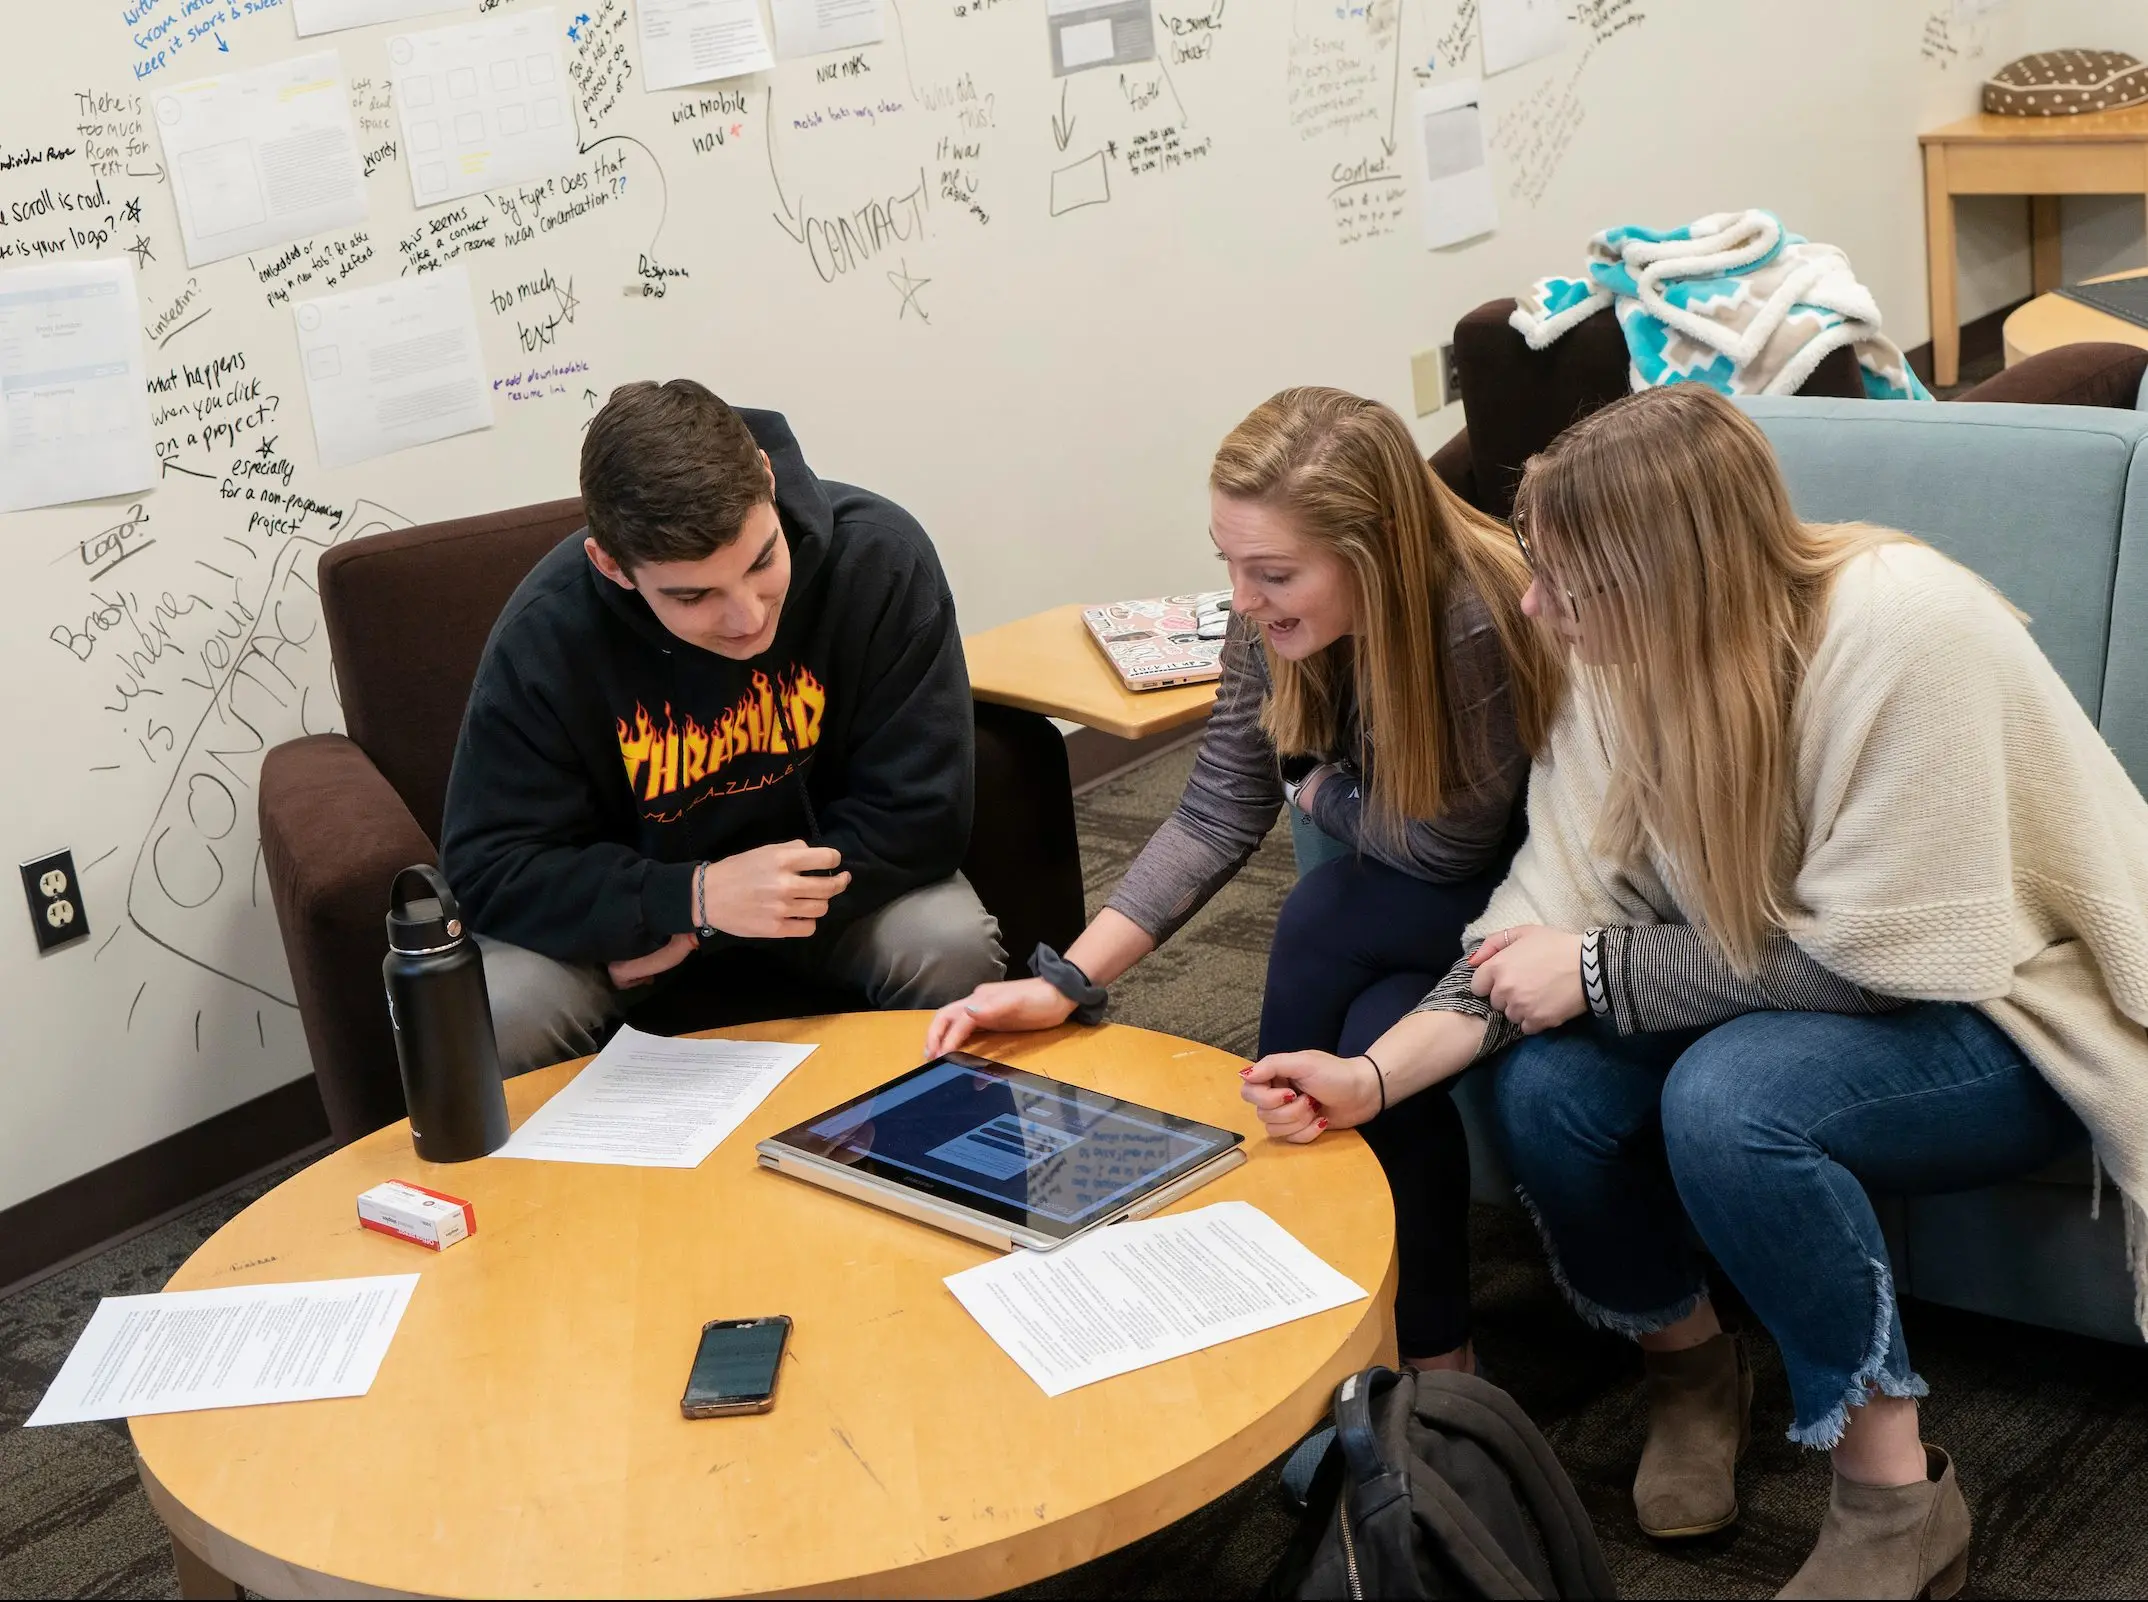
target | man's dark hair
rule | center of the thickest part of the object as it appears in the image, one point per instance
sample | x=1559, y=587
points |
x=669, y=473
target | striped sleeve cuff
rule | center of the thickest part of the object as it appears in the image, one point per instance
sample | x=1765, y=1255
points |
x=1452, y=994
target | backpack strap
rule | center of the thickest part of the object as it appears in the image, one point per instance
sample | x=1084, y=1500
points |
x=1469, y=1406
x=1379, y=1489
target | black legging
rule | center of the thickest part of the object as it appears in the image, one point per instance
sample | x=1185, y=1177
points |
x=1358, y=944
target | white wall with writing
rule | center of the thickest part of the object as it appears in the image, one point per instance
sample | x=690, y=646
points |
x=1025, y=307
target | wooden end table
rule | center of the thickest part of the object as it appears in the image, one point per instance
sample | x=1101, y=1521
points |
x=2050, y=321
x=1048, y=664
x=2098, y=153
x=523, y=1437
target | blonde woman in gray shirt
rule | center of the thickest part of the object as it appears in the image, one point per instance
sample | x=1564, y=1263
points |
x=1379, y=676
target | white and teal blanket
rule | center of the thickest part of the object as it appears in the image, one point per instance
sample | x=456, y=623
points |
x=1735, y=301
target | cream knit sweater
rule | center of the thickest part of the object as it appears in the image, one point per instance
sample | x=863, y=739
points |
x=1968, y=837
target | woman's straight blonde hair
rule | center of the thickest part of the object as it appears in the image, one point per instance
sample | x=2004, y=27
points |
x=1348, y=474
x=1661, y=524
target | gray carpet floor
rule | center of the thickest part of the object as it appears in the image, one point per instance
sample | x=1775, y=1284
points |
x=2051, y=1430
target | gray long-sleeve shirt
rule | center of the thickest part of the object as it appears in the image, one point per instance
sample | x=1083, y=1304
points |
x=1236, y=789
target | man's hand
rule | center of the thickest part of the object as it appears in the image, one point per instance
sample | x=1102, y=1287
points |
x=1533, y=975
x=1301, y=1093
x=1005, y=1006
x=767, y=894
x=640, y=970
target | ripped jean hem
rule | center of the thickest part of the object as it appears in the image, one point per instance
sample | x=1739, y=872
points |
x=1825, y=1432
x=1593, y=1313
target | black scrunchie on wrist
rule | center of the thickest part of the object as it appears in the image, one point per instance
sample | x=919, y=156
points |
x=1063, y=976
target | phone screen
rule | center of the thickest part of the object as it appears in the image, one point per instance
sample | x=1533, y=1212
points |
x=736, y=1361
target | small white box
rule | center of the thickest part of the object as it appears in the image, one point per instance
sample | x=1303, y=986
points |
x=428, y=1218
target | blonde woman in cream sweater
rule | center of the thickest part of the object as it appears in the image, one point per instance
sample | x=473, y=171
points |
x=1829, y=884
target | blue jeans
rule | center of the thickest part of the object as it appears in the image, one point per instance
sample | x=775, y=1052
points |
x=1357, y=945
x=1764, y=1132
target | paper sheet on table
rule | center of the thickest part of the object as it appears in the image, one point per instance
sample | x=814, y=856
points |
x=815, y=27
x=241, y=1346
x=650, y=1102
x=74, y=402
x=393, y=366
x=1516, y=31
x=484, y=105
x=1133, y=1294
x=261, y=158
x=1454, y=184
x=699, y=41
x=328, y=16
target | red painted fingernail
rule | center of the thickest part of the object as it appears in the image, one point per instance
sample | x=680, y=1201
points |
x=1323, y=1123
x=1245, y=1073
x=1290, y=1095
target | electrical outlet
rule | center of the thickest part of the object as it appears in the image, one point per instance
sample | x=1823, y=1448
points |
x=54, y=892
x=1450, y=376
x=1425, y=376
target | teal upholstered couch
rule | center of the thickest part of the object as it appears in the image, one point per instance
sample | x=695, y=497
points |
x=2051, y=504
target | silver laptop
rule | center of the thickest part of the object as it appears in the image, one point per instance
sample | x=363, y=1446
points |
x=1002, y=1155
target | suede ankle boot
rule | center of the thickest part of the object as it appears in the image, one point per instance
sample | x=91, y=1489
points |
x=1700, y=1421
x=1891, y=1540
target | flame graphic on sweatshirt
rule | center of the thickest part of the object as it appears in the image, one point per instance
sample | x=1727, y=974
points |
x=775, y=717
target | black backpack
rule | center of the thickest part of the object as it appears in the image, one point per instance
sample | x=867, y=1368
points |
x=1437, y=1485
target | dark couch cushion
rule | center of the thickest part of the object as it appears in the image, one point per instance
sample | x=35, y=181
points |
x=408, y=614
x=2091, y=373
x=1519, y=400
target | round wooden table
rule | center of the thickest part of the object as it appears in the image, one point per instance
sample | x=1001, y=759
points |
x=2050, y=321
x=523, y=1437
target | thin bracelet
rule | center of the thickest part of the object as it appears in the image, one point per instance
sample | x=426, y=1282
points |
x=701, y=899
x=1379, y=1074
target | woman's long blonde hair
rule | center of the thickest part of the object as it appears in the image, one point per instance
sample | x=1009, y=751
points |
x=1348, y=474
x=1662, y=524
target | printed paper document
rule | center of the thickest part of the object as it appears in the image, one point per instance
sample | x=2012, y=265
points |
x=484, y=105
x=1133, y=1294
x=393, y=366
x=699, y=41
x=1454, y=186
x=815, y=27
x=74, y=403
x=326, y=16
x=240, y=1346
x=261, y=158
x=650, y=1102
x=1517, y=31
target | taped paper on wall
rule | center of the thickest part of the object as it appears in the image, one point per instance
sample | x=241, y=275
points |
x=330, y=16
x=484, y=105
x=393, y=366
x=700, y=41
x=1518, y=31
x=815, y=27
x=1455, y=180
x=258, y=159
x=74, y=399
x=1099, y=33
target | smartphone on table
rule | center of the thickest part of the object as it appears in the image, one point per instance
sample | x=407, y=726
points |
x=735, y=1367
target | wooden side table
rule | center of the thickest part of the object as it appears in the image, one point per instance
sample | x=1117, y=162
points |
x=2050, y=321
x=523, y=1437
x=1048, y=664
x=2100, y=153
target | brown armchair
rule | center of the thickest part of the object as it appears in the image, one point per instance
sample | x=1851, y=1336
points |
x=408, y=614
x=1518, y=399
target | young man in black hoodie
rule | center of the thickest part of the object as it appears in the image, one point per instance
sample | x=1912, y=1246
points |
x=733, y=709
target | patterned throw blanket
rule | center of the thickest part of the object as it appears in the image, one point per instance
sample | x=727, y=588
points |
x=1735, y=301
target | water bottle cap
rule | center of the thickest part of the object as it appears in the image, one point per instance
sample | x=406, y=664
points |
x=422, y=914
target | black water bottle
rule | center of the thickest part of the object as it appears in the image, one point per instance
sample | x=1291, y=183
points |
x=443, y=1023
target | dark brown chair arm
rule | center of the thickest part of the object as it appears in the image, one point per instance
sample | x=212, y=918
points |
x=1457, y=469
x=2092, y=373
x=334, y=833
